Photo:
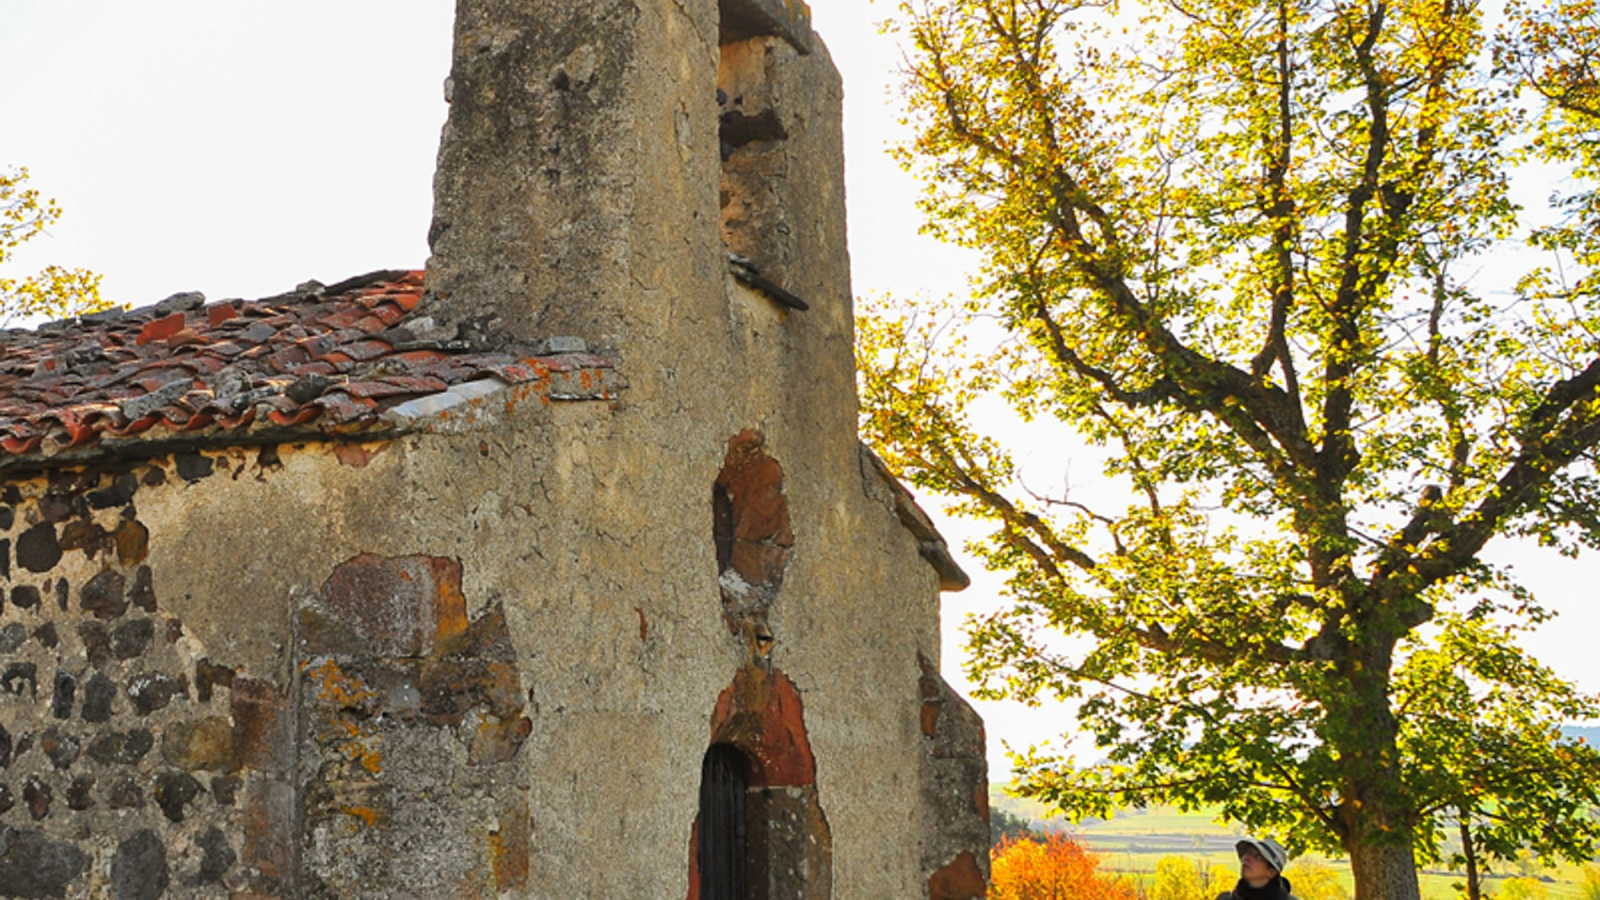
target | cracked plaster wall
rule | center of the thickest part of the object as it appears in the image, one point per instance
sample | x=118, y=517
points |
x=599, y=552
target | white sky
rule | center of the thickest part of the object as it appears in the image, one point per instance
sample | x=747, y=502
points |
x=239, y=147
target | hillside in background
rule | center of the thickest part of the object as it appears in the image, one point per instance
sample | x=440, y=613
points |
x=1589, y=733
x=1134, y=840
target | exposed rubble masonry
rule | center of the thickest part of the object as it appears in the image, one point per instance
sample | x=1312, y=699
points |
x=954, y=788
x=129, y=750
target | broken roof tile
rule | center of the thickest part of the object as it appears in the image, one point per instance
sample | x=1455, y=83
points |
x=318, y=363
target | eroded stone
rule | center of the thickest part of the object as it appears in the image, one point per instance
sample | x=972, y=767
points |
x=119, y=493
x=21, y=678
x=263, y=738
x=373, y=606
x=143, y=592
x=132, y=541
x=208, y=675
x=85, y=535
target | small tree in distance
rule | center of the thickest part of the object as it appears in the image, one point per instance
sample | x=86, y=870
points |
x=1178, y=878
x=1055, y=868
x=53, y=292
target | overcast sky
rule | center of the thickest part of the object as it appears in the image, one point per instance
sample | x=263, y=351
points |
x=241, y=147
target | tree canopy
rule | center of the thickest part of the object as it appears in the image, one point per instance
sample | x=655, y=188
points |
x=1240, y=246
x=53, y=292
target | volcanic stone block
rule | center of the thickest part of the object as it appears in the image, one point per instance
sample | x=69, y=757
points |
x=34, y=867
x=96, y=642
x=132, y=639
x=25, y=596
x=61, y=747
x=154, y=690
x=105, y=595
x=80, y=793
x=219, y=856
x=37, y=548
x=116, y=748
x=98, y=695
x=139, y=868
x=174, y=791
x=66, y=693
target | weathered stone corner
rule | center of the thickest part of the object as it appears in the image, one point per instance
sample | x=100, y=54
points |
x=787, y=19
x=955, y=792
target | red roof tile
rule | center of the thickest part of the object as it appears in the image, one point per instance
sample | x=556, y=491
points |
x=323, y=361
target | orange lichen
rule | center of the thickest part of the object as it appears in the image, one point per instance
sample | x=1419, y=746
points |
x=365, y=814
x=334, y=686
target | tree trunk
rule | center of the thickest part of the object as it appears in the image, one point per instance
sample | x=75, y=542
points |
x=1471, y=855
x=1385, y=871
x=1377, y=814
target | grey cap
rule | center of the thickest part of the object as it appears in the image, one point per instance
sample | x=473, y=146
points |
x=1269, y=849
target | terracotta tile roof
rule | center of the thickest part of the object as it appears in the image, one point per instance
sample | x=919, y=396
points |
x=326, y=361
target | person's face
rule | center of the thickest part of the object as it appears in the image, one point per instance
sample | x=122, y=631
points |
x=1253, y=868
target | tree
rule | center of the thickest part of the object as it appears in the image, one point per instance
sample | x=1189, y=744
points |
x=1470, y=695
x=1589, y=889
x=1523, y=888
x=1005, y=826
x=53, y=292
x=1177, y=878
x=1316, y=880
x=1057, y=868
x=1224, y=240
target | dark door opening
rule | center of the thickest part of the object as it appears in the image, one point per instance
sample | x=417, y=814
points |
x=724, y=828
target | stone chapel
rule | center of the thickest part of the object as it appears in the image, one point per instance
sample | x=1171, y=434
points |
x=556, y=570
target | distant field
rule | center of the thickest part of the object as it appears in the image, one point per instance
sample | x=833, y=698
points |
x=1133, y=841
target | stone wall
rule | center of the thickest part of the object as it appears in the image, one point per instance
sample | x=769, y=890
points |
x=485, y=662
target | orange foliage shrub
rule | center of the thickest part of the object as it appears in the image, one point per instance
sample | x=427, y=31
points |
x=1059, y=868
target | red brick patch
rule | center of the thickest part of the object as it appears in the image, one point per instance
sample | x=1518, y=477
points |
x=761, y=714
x=960, y=879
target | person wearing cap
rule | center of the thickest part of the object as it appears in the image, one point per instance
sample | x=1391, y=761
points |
x=1261, y=862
